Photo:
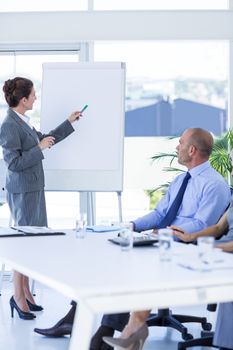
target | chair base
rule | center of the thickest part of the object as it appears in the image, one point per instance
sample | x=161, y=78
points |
x=164, y=318
x=206, y=339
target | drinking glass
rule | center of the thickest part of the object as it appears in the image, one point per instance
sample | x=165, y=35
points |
x=165, y=244
x=205, y=252
x=126, y=235
x=80, y=227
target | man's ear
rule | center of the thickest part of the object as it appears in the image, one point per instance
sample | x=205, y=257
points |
x=192, y=149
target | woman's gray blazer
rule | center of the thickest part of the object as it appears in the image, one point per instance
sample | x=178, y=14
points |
x=22, y=155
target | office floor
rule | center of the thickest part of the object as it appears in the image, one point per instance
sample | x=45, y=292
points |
x=17, y=334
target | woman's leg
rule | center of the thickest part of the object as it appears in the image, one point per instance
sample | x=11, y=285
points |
x=134, y=333
x=136, y=321
x=19, y=295
x=25, y=215
x=26, y=288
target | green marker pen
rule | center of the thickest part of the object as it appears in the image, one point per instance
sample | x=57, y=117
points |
x=85, y=107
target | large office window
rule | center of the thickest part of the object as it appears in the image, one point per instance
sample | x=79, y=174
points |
x=29, y=64
x=196, y=69
x=188, y=77
x=6, y=61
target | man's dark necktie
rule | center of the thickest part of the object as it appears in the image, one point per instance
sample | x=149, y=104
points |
x=173, y=210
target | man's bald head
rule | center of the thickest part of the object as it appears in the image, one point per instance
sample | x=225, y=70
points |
x=202, y=140
x=194, y=148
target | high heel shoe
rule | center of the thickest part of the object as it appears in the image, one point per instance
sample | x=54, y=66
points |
x=134, y=342
x=22, y=314
x=34, y=307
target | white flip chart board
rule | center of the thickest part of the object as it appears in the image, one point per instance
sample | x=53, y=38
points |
x=91, y=158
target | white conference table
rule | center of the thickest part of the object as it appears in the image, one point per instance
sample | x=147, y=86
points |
x=103, y=279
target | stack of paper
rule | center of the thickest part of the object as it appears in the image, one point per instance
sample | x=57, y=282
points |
x=33, y=229
x=103, y=228
x=196, y=264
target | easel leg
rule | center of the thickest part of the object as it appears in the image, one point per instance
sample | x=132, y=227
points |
x=119, y=206
x=87, y=206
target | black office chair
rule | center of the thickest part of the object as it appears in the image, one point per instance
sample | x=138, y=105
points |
x=165, y=318
x=206, y=338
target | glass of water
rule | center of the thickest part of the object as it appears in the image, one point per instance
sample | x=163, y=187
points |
x=80, y=227
x=165, y=244
x=205, y=252
x=126, y=236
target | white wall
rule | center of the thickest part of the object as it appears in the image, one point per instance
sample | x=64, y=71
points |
x=73, y=27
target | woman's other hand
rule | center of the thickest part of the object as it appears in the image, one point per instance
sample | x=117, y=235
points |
x=47, y=142
x=181, y=234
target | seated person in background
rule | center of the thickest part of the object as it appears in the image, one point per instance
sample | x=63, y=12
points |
x=223, y=335
x=206, y=197
x=136, y=331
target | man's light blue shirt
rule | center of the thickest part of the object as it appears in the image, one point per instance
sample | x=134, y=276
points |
x=205, y=199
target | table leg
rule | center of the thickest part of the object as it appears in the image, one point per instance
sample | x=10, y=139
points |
x=82, y=328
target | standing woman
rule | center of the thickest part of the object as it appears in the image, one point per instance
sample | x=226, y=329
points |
x=23, y=154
